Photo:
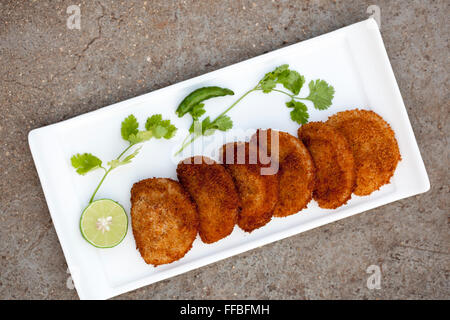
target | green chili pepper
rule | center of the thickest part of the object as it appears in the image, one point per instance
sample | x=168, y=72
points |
x=200, y=95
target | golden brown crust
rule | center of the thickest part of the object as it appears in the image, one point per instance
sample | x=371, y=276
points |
x=374, y=147
x=258, y=193
x=164, y=220
x=296, y=174
x=335, y=167
x=213, y=190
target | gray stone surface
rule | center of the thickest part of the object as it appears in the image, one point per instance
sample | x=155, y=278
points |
x=126, y=48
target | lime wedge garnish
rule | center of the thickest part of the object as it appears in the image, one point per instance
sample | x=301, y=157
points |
x=104, y=223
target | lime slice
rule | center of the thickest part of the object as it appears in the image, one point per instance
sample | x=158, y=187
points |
x=104, y=223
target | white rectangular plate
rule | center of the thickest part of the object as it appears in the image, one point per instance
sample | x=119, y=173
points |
x=352, y=59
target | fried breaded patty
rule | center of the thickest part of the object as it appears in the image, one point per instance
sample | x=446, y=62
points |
x=296, y=170
x=374, y=147
x=335, y=167
x=258, y=193
x=214, y=192
x=164, y=220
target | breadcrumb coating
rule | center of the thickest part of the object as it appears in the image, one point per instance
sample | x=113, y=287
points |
x=164, y=220
x=258, y=193
x=374, y=147
x=296, y=175
x=335, y=167
x=213, y=190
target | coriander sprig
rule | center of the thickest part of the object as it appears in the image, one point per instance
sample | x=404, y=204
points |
x=155, y=127
x=321, y=95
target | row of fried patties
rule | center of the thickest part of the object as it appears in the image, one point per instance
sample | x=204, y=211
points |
x=354, y=152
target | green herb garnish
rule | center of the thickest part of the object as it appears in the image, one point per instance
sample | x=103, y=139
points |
x=320, y=94
x=155, y=127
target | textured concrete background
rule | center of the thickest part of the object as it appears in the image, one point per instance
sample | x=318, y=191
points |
x=127, y=48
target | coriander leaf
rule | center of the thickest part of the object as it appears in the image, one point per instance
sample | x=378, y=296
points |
x=129, y=127
x=269, y=81
x=280, y=69
x=222, y=123
x=171, y=130
x=268, y=85
x=300, y=112
x=159, y=128
x=83, y=163
x=321, y=94
x=197, y=111
x=291, y=80
x=140, y=136
x=153, y=121
x=207, y=128
x=165, y=130
x=159, y=131
x=116, y=163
